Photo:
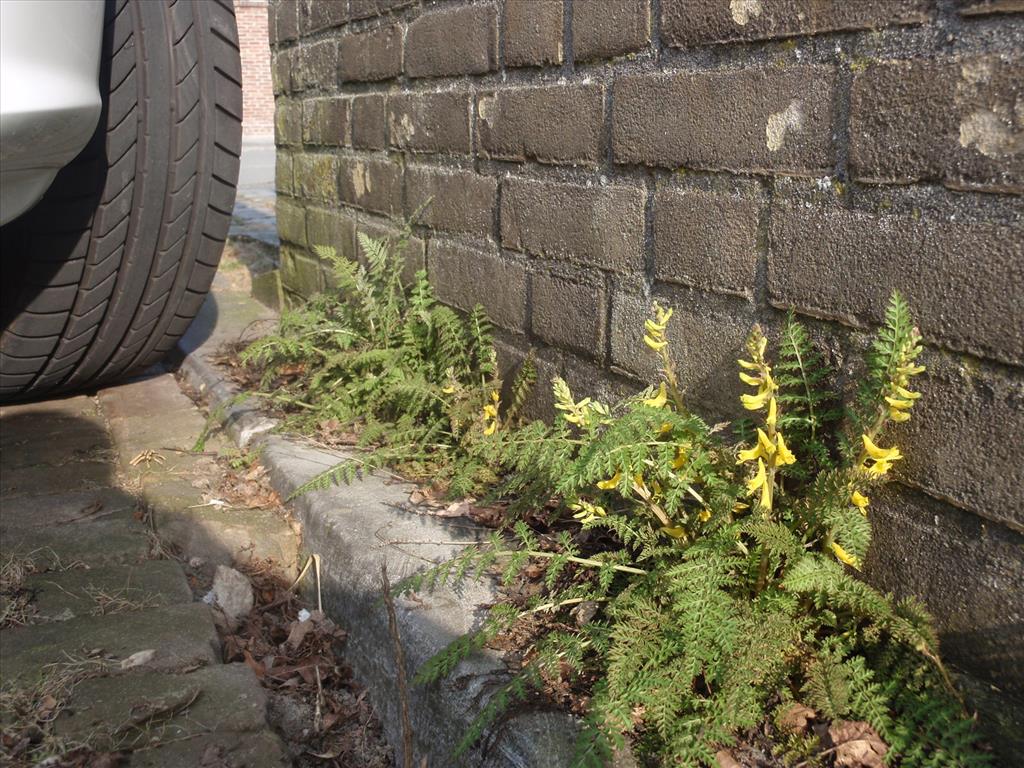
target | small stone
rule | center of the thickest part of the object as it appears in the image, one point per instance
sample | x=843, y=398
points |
x=233, y=592
x=196, y=562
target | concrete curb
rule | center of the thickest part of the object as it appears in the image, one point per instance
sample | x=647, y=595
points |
x=354, y=529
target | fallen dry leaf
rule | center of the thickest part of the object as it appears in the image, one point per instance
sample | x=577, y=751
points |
x=725, y=759
x=857, y=745
x=796, y=718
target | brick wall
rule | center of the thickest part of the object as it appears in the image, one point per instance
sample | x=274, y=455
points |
x=734, y=159
x=257, y=86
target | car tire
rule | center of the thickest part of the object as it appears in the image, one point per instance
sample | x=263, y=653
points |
x=106, y=272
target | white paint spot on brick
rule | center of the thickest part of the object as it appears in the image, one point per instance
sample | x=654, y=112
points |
x=361, y=182
x=993, y=135
x=789, y=119
x=743, y=10
x=484, y=108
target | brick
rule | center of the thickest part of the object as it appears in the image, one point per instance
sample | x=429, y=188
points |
x=751, y=119
x=285, y=22
x=460, y=201
x=985, y=7
x=533, y=33
x=609, y=28
x=373, y=55
x=568, y=314
x=317, y=65
x=288, y=122
x=332, y=228
x=283, y=179
x=969, y=574
x=281, y=72
x=464, y=277
x=323, y=14
x=957, y=121
x=301, y=274
x=456, y=41
x=430, y=122
x=962, y=441
x=316, y=176
x=369, y=127
x=325, y=121
x=371, y=184
x=697, y=22
x=551, y=124
x=706, y=239
x=364, y=9
x=706, y=334
x=602, y=226
x=964, y=279
x=291, y=221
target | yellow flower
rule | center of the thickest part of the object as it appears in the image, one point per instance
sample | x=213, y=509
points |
x=773, y=413
x=898, y=416
x=859, y=500
x=785, y=456
x=906, y=393
x=845, y=557
x=491, y=414
x=763, y=450
x=704, y=515
x=681, y=458
x=755, y=402
x=611, y=482
x=491, y=428
x=902, y=405
x=448, y=390
x=490, y=411
x=879, y=468
x=639, y=484
x=659, y=400
x=759, y=482
x=880, y=454
x=654, y=344
x=910, y=370
x=674, y=531
x=585, y=511
x=746, y=378
x=749, y=366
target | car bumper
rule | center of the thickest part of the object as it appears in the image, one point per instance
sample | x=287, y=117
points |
x=49, y=93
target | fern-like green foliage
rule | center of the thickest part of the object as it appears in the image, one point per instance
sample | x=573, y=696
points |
x=408, y=373
x=711, y=596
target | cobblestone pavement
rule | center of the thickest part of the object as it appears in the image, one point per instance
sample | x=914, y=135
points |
x=99, y=626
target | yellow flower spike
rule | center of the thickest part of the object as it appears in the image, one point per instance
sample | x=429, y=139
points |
x=773, y=413
x=898, y=416
x=746, y=378
x=654, y=344
x=784, y=456
x=762, y=345
x=764, y=443
x=585, y=511
x=859, y=500
x=491, y=428
x=611, y=482
x=880, y=454
x=911, y=370
x=755, y=402
x=704, y=515
x=490, y=411
x=845, y=557
x=659, y=400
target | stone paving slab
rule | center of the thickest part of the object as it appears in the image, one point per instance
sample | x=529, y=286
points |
x=107, y=589
x=225, y=698
x=221, y=750
x=180, y=635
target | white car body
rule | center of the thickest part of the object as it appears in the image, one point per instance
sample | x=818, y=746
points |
x=49, y=93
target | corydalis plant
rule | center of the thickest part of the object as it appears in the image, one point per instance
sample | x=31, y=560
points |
x=715, y=575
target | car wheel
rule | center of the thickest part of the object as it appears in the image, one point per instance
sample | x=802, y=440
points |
x=106, y=272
